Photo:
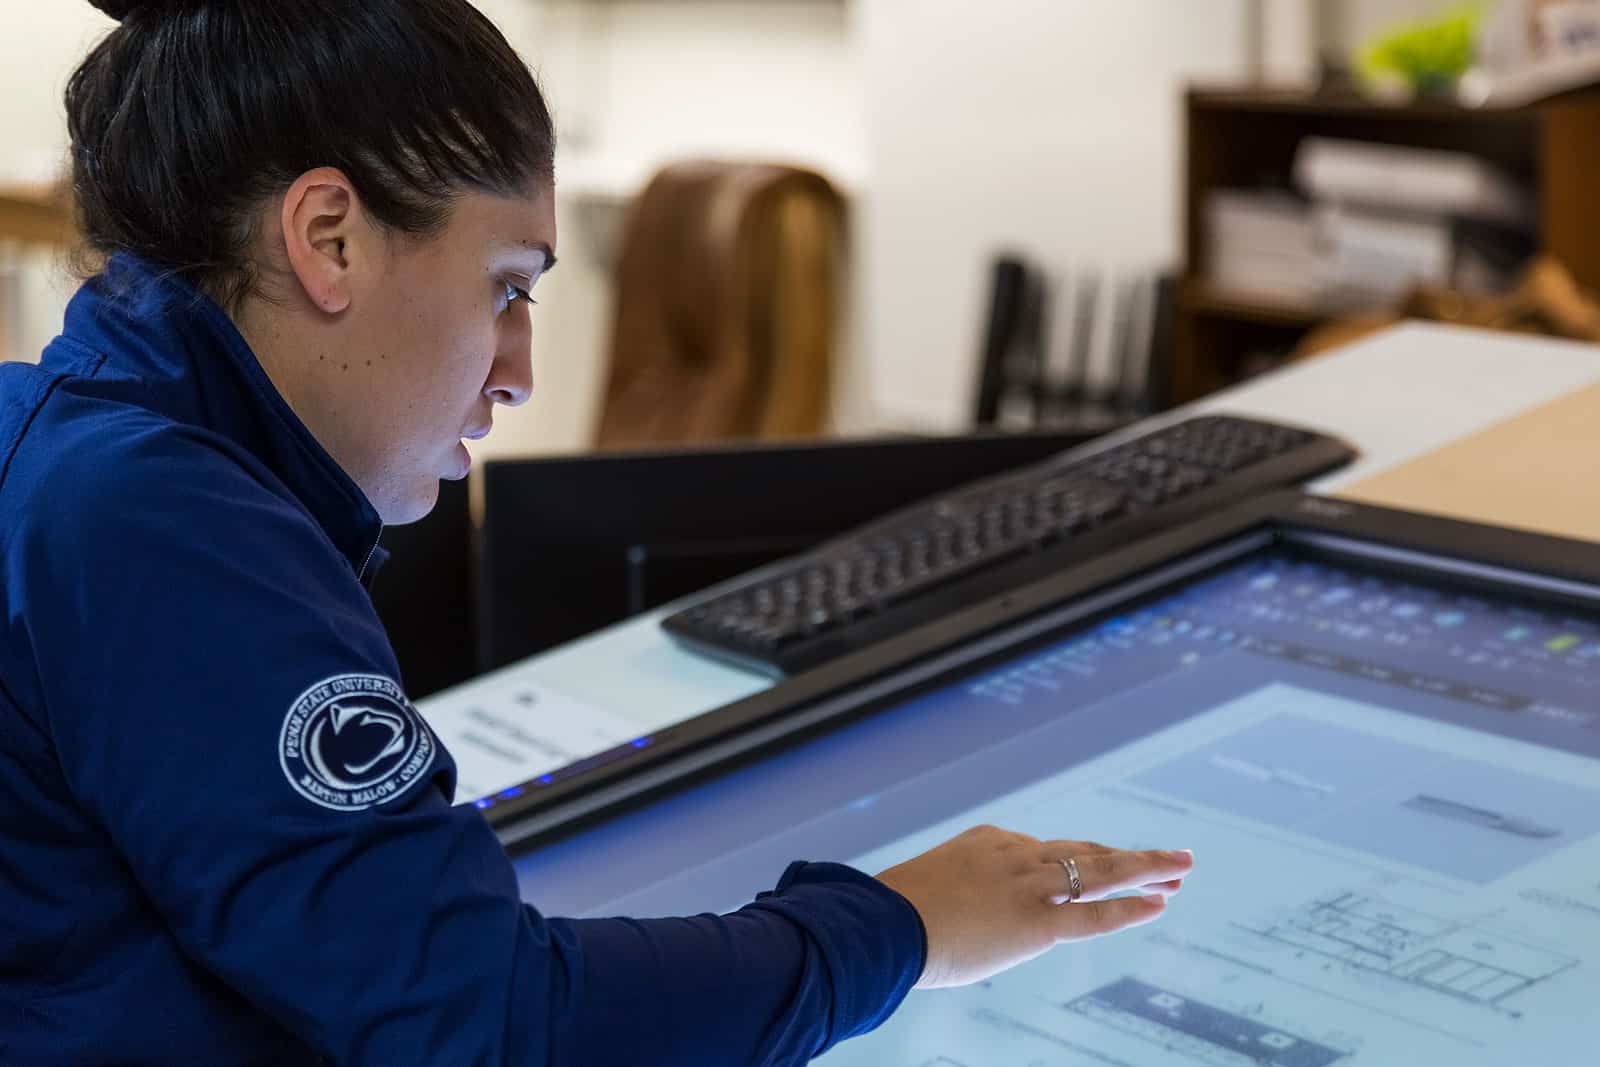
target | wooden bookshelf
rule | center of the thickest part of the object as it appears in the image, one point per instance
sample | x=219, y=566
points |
x=34, y=216
x=1248, y=138
x=30, y=216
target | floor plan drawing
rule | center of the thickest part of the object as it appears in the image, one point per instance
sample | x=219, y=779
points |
x=1453, y=958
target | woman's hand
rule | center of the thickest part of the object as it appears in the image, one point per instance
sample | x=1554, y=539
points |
x=990, y=899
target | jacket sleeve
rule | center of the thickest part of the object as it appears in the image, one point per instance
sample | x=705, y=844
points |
x=218, y=689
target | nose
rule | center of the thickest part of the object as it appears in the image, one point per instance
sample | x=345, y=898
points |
x=510, y=379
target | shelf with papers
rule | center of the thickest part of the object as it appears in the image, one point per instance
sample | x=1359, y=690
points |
x=1247, y=140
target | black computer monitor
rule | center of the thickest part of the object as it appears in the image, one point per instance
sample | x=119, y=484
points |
x=1378, y=732
x=571, y=544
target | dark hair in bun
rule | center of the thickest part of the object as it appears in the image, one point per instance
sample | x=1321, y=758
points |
x=182, y=126
x=121, y=9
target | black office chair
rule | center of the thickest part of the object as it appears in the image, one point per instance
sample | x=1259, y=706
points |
x=571, y=544
x=1028, y=377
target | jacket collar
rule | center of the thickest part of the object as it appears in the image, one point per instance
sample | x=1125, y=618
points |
x=191, y=364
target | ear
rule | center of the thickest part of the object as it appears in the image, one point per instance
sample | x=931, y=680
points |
x=322, y=225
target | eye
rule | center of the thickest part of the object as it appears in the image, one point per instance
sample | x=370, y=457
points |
x=515, y=293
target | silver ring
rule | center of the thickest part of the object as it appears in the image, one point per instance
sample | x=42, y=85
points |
x=1074, y=883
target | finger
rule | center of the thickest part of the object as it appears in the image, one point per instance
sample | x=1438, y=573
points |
x=1092, y=918
x=1049, y=885
x=1113, y=871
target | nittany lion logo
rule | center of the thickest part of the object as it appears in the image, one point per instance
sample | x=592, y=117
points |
x=353, y=741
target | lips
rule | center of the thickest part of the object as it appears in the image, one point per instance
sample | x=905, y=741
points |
x=477, y=435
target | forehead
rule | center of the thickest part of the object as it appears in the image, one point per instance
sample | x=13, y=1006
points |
x=517, y=225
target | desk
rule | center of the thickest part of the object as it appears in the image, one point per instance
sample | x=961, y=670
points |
x=1394, y=396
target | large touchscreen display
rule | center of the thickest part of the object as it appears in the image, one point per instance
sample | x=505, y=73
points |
x=1392, y=789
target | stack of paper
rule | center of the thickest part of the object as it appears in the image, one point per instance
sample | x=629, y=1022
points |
x=1263, y=243
x=1397, y=180
x=1372, y=222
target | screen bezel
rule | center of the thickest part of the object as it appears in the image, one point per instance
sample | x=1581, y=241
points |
x=1528, y=566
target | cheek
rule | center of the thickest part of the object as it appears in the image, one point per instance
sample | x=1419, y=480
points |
x=441, y=344
x=459, y=363
x=447, y=339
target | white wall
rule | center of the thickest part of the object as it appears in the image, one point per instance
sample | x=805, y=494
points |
x=1048, y=126
x=638, y=82
x=40, y=43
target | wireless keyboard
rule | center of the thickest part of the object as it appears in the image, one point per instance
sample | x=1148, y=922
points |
x=930, y=559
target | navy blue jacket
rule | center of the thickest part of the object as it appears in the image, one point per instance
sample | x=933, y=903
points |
x=225, y=835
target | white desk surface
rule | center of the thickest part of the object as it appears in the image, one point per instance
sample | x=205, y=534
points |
x=1394, y=396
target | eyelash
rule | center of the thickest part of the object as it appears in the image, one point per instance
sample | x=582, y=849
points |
x=515, y=293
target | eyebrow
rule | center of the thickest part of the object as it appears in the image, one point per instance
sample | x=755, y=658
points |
x=535, y=246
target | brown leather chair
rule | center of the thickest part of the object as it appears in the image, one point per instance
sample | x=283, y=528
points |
x=728, y=286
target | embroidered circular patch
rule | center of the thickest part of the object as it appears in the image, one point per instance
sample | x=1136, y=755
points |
x=353, y=741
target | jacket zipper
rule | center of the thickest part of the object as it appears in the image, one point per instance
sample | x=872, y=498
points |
x=361, y=575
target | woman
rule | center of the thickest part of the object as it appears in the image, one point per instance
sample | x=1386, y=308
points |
x=227, y=837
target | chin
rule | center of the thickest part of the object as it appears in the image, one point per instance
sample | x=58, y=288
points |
x=411, y=506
